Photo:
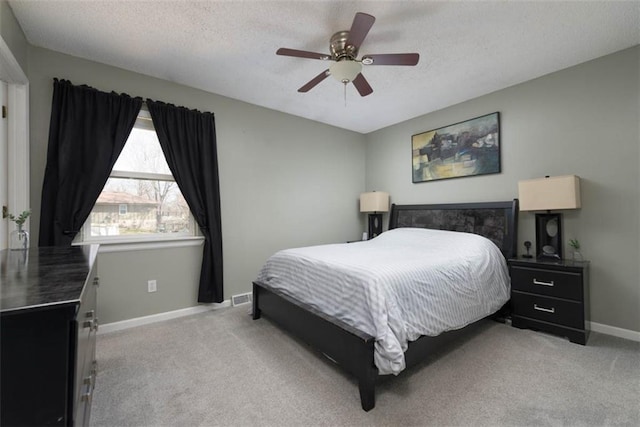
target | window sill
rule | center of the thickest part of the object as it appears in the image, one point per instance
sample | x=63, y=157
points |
x=124, y=245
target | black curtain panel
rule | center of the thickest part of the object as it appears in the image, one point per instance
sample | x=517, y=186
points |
x=87, y=132
x=188, y=140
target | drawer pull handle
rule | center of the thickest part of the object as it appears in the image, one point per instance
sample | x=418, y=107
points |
x=538, y=282
x=91, y=324
x=548, y=310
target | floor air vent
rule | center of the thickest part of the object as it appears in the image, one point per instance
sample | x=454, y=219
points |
x=241, y=299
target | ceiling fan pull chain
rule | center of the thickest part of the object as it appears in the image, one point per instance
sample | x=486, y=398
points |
x=345, y=94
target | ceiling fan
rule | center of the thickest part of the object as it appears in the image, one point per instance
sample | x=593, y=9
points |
x=344, y=46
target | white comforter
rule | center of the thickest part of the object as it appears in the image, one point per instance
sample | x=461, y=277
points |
x=405, y=283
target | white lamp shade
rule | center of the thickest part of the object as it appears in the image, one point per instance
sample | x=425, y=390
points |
x=375, y=201
x=552, y=193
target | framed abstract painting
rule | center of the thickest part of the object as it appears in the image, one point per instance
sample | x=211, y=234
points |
x=462, y=149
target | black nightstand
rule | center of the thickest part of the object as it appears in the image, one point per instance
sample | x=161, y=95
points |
x=551, y=296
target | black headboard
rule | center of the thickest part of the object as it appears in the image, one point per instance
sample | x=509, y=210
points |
x=497, y=221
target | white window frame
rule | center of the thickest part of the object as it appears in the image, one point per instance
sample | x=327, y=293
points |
x=84, y=237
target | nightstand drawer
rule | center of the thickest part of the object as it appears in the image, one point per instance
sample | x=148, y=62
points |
x=561, y=284
x=561, y=312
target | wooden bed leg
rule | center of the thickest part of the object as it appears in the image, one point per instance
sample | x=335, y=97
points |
x=366, y=372
x=367, y=387
x=256, y=298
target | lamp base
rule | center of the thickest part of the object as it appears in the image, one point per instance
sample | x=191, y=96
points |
x=375, y=225
x=549, y=236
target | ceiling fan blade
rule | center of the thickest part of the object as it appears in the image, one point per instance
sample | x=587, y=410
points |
x=360, y=27
x=362, y=85
x=301, y=54
x=391, y=59
x=314, y=81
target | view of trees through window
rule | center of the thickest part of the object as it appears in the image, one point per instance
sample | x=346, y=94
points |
x=141, y=196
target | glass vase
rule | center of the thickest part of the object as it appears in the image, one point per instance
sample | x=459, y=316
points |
x=19, y=240
x=577, y=256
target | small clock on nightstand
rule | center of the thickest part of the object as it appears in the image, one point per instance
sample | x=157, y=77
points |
x=551, y=296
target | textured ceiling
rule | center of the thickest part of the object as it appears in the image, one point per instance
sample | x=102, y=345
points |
x=467, y=48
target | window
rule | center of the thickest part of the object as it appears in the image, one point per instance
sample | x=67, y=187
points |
x=141, y=200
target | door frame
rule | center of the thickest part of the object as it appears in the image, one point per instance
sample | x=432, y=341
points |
x=17, y=131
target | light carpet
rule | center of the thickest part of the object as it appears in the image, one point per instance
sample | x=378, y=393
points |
x=221, y=368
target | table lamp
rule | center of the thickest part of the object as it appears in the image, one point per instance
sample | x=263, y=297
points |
x=374, y=203
x=547, y=194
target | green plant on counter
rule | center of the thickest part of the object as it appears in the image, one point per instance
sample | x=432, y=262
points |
x=20, y=219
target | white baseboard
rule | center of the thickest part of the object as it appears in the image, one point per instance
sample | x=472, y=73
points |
x=145, y=320
x=615, y=331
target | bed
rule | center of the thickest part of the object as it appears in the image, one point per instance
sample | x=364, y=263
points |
x=344, y=338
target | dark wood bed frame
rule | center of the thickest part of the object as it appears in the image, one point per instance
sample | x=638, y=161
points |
x=353, y=349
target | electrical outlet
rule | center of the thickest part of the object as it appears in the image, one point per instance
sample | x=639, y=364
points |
x=152, y=286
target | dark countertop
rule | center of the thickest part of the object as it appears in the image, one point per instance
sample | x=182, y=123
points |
x=43, y=276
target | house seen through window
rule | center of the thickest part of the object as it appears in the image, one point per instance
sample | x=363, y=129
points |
x=140, y=200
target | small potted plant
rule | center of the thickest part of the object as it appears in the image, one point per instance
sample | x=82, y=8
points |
x=575, y=244
x=19, y=239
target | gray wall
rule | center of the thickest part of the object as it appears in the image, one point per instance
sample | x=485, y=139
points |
x=583, y=120
x=123, y=276
x=12, y=35
x=285, y=182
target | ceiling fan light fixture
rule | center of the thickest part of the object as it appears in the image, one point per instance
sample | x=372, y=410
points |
x=345, y=67
x=345, y=71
